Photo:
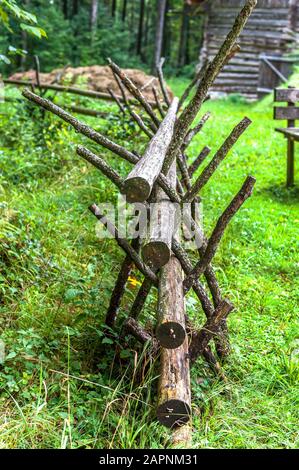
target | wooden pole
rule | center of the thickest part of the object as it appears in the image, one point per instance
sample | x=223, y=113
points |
x=156, y=251
x=174, y=396
x=170, y=329
x=139, y=183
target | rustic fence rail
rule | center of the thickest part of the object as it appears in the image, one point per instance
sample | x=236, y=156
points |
x=161, y=175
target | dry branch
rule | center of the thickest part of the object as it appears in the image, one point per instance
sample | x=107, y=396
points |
x=117, y=100
x=99, y=163
x=132, y=327
x=79, y=126
x=124, y=244
x=200, y=339
x=147, y=106
x=224, y=219
x=162, y=81
x=119, y=288
x=69, y=89
x=140, y=298
x=195, y=130
x=198, y=161
x=217, y=159
x=158, y=103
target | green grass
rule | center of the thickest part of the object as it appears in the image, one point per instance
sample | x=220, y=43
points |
x=62, y=383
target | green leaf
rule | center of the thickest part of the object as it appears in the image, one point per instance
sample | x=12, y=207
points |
x=16, y=51
x=107, y=341
x=5, y=59
x=33, y=30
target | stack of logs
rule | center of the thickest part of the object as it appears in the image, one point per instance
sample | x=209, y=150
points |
x=162, y=175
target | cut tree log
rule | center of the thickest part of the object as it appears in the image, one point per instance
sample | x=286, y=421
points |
x=139, y=183
x=156, y=251
x=174, y=396
x=171, y=330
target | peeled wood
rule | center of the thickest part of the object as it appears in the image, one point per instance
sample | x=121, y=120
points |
x=139, y=183
x=171, y=331
x=156, y=251
x=174, y=396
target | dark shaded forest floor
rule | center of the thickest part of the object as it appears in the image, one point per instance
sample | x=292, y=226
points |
x=60, y=384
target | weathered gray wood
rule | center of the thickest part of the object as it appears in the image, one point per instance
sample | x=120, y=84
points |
x=174, y=397
x=171, y=331
x=139, y=183
x=269, y=30
x=286, y=94
x=286, y=112
x=290, y=132
x=157, y=249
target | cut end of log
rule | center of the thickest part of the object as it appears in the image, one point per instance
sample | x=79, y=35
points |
x=136, y=189
x=170, y=334
x=174, y=413
x=156, y=254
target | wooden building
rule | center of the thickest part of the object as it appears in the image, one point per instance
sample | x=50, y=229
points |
x=266, y=42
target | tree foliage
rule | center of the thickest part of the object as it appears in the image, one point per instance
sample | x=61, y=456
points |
x=86, y=32
x=11, y=14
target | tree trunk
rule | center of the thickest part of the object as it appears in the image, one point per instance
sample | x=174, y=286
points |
x=184, y=36
x=94, y=15
x=124, y=10
x=140, y=28
x=159, y=31
x=114, y=6
x=75, y=7
x=65, y=8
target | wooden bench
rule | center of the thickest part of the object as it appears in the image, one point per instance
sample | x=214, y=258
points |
x=291, y=133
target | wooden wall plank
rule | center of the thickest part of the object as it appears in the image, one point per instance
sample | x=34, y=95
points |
x=286, y=112
x=286, y=94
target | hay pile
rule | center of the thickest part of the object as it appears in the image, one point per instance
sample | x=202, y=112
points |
x=95, y=77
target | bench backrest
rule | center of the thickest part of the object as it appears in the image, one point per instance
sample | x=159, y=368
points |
x=290, y=112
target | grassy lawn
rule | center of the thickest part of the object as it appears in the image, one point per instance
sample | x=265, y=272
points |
x=61, y=383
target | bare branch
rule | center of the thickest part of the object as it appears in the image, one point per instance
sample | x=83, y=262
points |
x=117, y=100
x=99, y=163
x=200, y=339
x=134, y=91
x=198, y=161
x=162, y=81
x=224, y=219
x=124, y=244
x=217, y=159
